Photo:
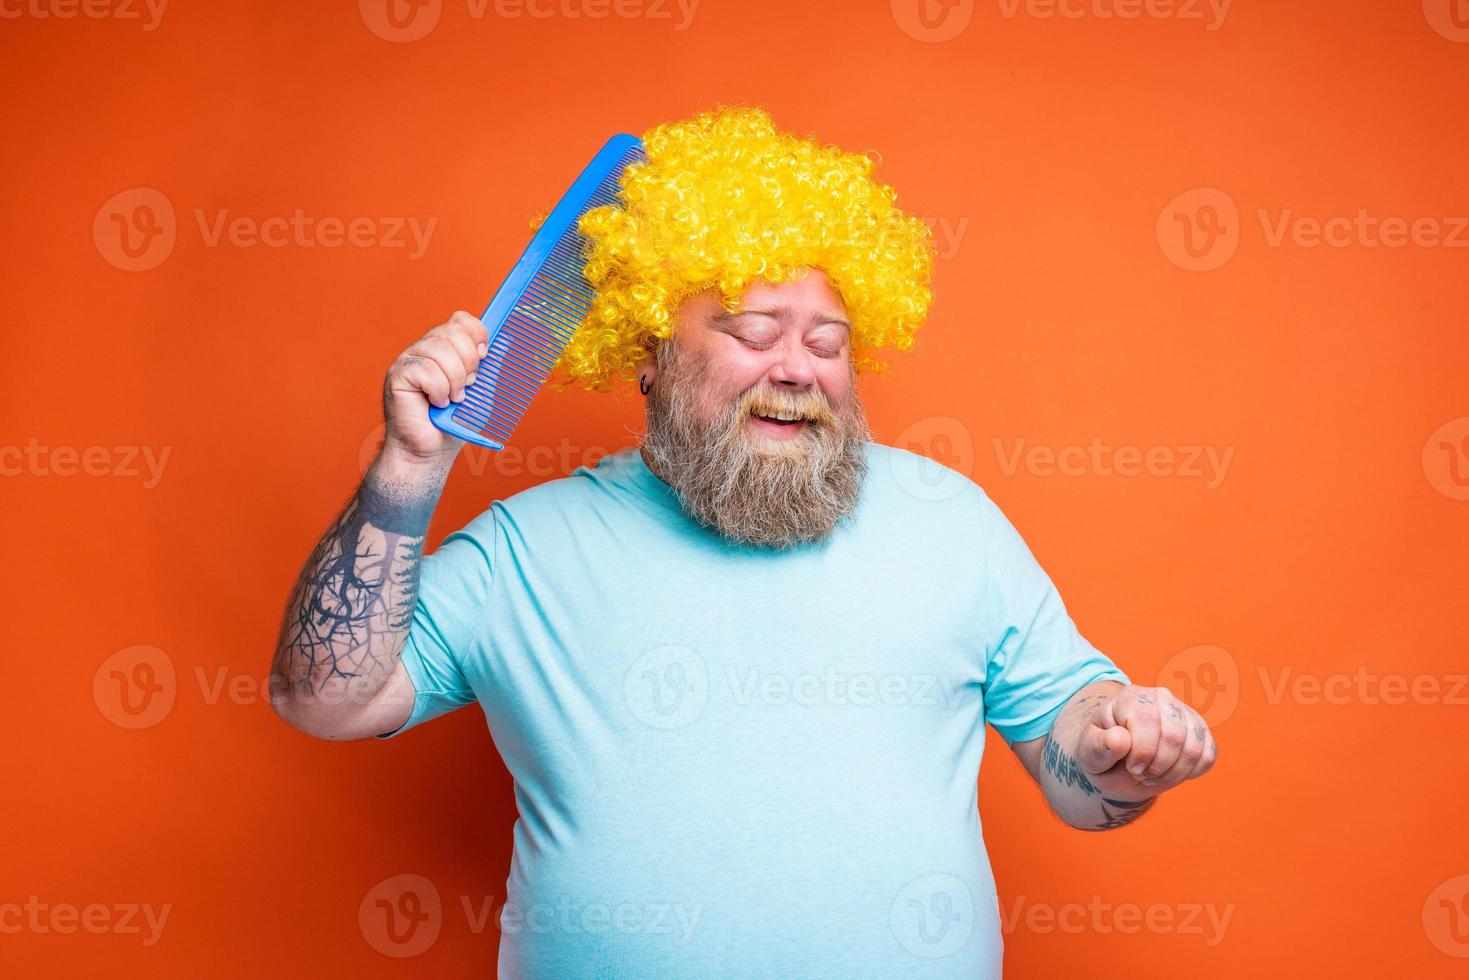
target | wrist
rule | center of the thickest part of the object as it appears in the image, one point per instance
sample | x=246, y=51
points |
x=398, y=495
x=1071, y=724
x=395, y=463
x=1081, y=710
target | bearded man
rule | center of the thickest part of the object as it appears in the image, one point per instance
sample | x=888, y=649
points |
x=741, y=672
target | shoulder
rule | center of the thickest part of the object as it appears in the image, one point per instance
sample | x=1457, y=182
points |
x=613, y=475
x=916, y=479
x=936, y=505
x=562, y=500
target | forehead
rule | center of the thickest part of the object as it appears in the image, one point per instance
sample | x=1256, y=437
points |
x=813, y=293
x=813, y=290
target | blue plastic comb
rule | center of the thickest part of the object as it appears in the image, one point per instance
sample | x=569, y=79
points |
x=537, y=308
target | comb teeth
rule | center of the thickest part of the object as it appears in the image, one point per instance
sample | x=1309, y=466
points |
x=525, y=344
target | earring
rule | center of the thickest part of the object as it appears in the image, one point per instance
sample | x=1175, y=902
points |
x=645, y=386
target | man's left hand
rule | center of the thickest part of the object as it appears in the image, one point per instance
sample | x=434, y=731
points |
x=1142, y=741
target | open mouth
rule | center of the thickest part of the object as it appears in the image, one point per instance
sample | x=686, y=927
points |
x=777, y=426
x=778, y=419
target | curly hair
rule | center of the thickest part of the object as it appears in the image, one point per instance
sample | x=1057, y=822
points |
x=725, y=199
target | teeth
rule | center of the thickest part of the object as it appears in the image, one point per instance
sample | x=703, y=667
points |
x=783, y=416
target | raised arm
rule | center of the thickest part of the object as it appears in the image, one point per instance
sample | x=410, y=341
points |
x=337, y=672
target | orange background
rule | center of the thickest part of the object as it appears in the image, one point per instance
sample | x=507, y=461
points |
x=1332, y=834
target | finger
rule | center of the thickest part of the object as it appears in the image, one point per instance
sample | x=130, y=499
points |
x=475, y=327
x=1106, y=715
x=1196, y=736
x=423, y=375
x=1206, y=759
x=463, y=342
x=1140, y=714
x=1172, y=736
x=441, y=352
x=1103, y=748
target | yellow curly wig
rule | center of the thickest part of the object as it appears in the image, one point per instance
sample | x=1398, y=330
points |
x=725, y=199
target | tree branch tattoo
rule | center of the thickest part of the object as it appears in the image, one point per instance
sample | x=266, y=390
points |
x=353, y=602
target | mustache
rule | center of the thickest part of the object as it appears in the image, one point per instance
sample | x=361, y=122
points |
x=811, y=406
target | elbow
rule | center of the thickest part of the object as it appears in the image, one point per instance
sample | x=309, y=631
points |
x=307, y=715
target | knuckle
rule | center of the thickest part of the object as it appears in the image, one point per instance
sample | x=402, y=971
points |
x=430, y=380
x=442, y=352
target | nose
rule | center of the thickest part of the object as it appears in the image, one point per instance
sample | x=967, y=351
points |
x=793, y=370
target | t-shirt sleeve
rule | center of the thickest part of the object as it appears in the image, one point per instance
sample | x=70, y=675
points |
x=453, y=586
x=1035, y=657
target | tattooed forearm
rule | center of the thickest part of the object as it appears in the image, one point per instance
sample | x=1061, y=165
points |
x=1071, y=791
x=1119, y=813
x=1065, y=768
x=1083, y=812
x=349, y=613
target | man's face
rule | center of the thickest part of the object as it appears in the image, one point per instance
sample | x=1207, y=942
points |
x=754, y=419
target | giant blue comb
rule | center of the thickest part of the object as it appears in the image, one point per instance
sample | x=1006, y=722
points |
x=537, y=308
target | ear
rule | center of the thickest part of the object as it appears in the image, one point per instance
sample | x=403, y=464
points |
x=647, y=369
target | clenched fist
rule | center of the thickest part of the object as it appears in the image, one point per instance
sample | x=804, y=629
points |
x=433, y=371
x=1141, y=741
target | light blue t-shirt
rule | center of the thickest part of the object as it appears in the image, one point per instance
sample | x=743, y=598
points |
x=738, y=762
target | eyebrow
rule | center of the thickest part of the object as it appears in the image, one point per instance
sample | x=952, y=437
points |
x=782, y=312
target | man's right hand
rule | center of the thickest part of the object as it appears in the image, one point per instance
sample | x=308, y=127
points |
x=434, y=370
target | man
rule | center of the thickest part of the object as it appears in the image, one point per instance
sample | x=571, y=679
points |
x=740, y=673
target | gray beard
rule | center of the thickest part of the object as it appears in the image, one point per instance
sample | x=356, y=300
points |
x=752, y=490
